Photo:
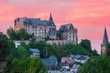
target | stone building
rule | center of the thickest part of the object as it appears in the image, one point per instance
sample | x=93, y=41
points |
x=41, y=29
x=46, y=30
x=68, y=32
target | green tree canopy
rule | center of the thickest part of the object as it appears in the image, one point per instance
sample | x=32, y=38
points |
x=47, y=49
x=5, y=46
x=86, y=44
x=75, y=49
x=18, y=35
x=96, y=65
x=108, y=46
x=21, y=62
x=12, y=34
x=26, y=65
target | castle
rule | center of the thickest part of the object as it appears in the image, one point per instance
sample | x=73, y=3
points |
x=46, y=30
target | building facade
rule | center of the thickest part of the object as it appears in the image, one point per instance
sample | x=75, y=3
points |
x=105, y=50
x=46, y=29
x=41, y=29
x=68, y=32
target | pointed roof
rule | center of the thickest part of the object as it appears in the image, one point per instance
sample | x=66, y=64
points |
x=66, y=28
x=105, y=38
x=51, y=19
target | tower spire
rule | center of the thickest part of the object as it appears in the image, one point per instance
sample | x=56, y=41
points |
x=51, y=19
x=105, y=38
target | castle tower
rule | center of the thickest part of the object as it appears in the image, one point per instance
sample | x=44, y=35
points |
x=104, y=45
x=52, y=30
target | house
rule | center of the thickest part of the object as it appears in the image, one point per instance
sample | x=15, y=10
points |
x=75, y=68
x=51, y=62
x=35, y=53
x=80, y=58
x=18, y=43
x=60, y=42
x=57, y=71
x=65, y=68
x=67, y=61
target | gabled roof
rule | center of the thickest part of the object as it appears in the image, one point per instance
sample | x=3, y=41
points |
x=35, y=21
x=34, y=50
x=66, y=28
x=52, y=60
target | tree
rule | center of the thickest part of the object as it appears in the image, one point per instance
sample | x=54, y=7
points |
x=75, y=49
x=108, y=49
x=108, y=46
x=12, y=34
x=41, y=45
x=47, y=50
x=5, y=45
x=86, y=44
x=26, y=65
x=20, y=52
x=97, y=64
x=23, y=35
x=21, y=62
x=18, y=35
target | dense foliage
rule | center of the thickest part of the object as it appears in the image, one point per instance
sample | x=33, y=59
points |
x=60, y=51
x=97, y=64
x=20, y=62
x=26, y=65
x=5, y=46
x=108, y=46
x=46, y=50
x=18, y=59
x=18, y=35
x=76, y=49
x=85, y=43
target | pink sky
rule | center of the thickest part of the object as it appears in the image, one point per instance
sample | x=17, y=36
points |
x=89, y=16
